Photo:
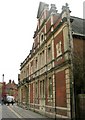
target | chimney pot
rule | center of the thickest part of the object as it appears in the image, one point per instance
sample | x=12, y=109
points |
x=53, y=9
x=9, y=81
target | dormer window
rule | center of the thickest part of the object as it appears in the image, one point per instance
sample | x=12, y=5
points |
x=41, y=38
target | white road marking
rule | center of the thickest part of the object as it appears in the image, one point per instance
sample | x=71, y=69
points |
x=15, y=112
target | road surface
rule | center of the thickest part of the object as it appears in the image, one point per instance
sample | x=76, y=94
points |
x=13, y=111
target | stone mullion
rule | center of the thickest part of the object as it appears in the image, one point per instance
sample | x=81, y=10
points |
x=45, y=54
x=46, y=90
x=29, y=94
x=38, y=61
x=53, y=89
x=38, y=91
x=26, y=94
x=33, y=92
x=52, y=51
x=67, y=76
x=45, y=30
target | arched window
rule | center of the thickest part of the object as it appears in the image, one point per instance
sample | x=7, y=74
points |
x=41, y=38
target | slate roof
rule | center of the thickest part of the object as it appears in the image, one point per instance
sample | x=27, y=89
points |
x=78, y=25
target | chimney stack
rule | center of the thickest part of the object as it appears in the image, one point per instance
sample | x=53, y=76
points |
x=9, y=81
x=65, y=7
x=65, y=11
x=53, y=9
x=13, y=81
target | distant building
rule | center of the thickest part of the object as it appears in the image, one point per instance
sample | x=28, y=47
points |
x=46, y=83
x=8, y=89
x=0, y=91
x=11, y=89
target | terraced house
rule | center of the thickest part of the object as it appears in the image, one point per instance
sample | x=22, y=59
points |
x=46, y=82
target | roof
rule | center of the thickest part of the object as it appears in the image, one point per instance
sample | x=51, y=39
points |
x=78, y=25
x=41, y=8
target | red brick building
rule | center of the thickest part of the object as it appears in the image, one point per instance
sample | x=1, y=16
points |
x=46, y=82
x=11, y=89
x=2, y=90
x=8, y=89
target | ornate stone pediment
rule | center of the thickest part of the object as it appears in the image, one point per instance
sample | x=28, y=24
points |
x=42, y=6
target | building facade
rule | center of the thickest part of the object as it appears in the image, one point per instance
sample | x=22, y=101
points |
x=46, y=75
x=0, y=91
x=11, y=89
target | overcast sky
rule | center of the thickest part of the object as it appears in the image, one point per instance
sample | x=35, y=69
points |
x=17, y=25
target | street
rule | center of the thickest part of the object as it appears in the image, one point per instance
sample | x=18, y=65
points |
x=17, y=112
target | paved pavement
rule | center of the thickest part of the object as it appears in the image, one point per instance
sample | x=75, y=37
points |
x=0, y=111
x=25, y=113
x=7, y=112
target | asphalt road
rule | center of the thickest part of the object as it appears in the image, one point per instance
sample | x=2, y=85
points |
x=18, y=112
x=7, y=112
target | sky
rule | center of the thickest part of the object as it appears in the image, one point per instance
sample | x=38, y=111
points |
x=18, y=21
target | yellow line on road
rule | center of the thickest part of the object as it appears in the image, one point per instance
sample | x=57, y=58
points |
x=14, y=112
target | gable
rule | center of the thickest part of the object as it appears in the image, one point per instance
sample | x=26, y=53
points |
x=41, y=8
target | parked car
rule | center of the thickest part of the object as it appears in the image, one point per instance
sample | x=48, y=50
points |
x=9, y=100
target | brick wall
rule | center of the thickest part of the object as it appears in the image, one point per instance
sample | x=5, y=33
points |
x=60, y=89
